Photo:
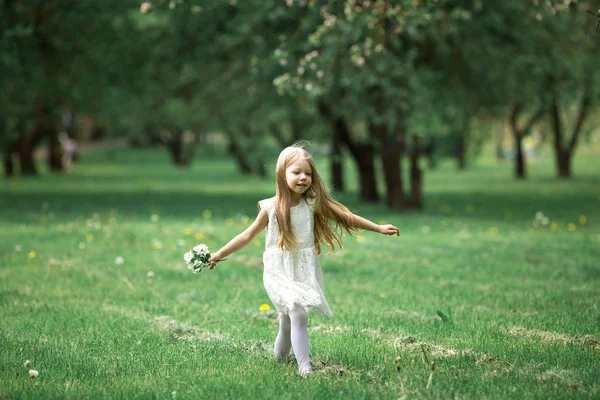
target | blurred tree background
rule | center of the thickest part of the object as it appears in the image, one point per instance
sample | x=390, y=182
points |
x=386, y=83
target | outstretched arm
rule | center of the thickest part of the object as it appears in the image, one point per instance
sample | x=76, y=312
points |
x=362, y=223
x=242, y=240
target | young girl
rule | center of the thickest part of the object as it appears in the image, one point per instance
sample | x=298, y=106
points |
x=298, y=222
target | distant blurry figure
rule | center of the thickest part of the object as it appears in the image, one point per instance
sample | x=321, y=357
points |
x=69, y=149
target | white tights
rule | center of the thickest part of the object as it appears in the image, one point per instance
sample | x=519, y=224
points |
x=293, y=332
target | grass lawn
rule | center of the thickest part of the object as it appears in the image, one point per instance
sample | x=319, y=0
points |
x=471, y=301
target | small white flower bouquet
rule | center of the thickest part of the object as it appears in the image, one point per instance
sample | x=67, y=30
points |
x=197, y=258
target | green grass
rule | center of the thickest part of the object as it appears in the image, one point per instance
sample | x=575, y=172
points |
x=502, y=309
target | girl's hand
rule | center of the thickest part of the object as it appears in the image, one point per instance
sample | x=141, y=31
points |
x=389, y=230
x=213, y=260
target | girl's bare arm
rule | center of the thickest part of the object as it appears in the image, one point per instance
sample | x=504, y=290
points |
x=242, y=240
x=362, y=223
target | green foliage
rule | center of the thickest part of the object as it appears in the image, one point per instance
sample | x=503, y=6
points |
x=249, y=67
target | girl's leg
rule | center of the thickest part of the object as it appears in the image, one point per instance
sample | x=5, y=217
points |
x=283, y=343
x=299, y=336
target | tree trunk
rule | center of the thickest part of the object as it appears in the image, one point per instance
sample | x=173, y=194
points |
x=391, y=151
x=336, y=158
x=181, y=146
x=563, y=163
x=392, y=170
x=26, y=158
x=499, y=139
x=362, y=154
x=416, y=175
x=520, y=172
x=519, y=134
x=564, y=152
x=461, y=157
x=239, y=155
x=7, y=160
x=55, y=151
x=365, y=163
x=175, y=148
x=463, y=142
x=364, y=157
x=26, y=145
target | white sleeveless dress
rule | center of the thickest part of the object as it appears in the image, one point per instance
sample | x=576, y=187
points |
x=293, y=278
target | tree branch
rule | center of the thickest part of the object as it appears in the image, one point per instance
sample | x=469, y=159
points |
x=556, y=123
x=514, y=115
x=539, y=114
x=583, y=113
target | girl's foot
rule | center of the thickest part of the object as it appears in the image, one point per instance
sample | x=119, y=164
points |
x=306, y=372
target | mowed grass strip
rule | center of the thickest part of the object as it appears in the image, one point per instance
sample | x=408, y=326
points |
x=491, y=291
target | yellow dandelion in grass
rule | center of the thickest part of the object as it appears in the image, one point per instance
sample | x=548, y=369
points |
x=582, y=220
x=382, y=295
x=469, y=208
x=187, y=231
x=264, y=307
x=199, y=235
x=89, y=237
x=360, y=239
x=229, y=222
x=493, y=231
x=156, y=244
x=571, y=227
x=32, y=254
x=554, y=227
x=207, y=214
x=257, y=243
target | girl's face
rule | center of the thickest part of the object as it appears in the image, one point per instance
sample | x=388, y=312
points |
x=298, y=176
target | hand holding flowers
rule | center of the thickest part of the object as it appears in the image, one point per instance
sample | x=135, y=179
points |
x=215, y=258
x=199, y=258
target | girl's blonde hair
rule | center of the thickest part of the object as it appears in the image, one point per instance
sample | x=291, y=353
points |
x=327, y=209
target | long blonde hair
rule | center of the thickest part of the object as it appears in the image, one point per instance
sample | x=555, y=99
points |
x=331, y=217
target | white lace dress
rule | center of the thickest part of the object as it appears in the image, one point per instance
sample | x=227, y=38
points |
x=292, y=278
